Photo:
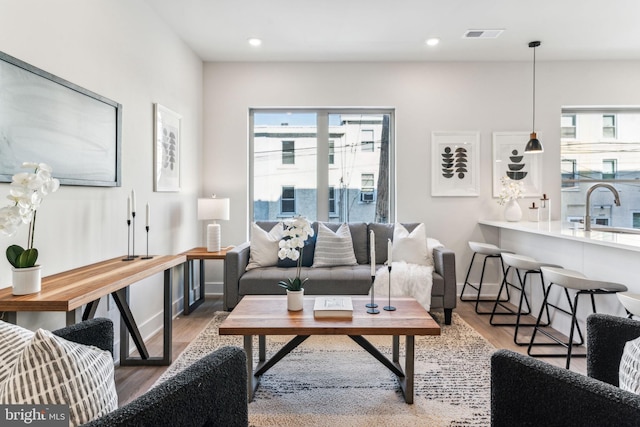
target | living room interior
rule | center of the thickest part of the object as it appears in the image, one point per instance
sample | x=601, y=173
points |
x=143, y=52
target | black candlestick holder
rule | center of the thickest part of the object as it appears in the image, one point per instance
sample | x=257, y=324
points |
x=372, y=307
x=389, y=307
x=147, y=257
x=129, y=257
x=133, y=237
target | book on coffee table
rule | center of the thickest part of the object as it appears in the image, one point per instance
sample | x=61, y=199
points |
x=341, y=307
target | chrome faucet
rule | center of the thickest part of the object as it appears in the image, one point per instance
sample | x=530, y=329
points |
x=616, y=200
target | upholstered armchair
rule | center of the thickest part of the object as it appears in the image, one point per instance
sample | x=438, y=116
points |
x=529, y=392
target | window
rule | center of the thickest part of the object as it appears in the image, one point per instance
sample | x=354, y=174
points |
x=332, y=200
x=609, y=168
x=609, y=126
x=319, y=153
x=636, y=220
x=288, y=152
x=332, y=152
x=288, y=200
x=568, y=123
x=569, y=167
x=601, y=152
x=366, y=140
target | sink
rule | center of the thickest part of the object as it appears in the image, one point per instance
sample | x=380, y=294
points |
x=622, y=230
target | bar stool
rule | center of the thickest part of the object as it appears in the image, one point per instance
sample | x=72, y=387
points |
x=569, y=279
x=488, y=251
x=630, y=302
x=529, y=266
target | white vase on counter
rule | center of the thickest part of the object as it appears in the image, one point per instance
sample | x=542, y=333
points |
x=512, y=211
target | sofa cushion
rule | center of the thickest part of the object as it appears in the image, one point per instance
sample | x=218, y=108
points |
x=629, y=370
x=51, y=370
x=359, y=238
x=410, y=247
x=341, y=280
x=264, y=246
x=334, y=248
x=383, y=233
x=13, y=340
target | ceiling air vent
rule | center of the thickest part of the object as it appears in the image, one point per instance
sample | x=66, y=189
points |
x=482, y=34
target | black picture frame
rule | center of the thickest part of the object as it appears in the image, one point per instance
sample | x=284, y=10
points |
x=47, y=119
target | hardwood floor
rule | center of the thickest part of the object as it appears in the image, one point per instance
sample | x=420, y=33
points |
x=134, y=381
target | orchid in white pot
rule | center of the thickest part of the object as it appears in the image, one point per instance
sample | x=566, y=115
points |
x=292, y=247
x=26, y=193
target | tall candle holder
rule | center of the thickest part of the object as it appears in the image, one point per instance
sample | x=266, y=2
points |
x=389, y=307
x=147, y=257
x=129, y=257
x=133, y=238
x=372, y=307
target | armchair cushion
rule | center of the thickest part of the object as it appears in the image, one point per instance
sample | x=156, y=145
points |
x=630, y=367
x=13, y=340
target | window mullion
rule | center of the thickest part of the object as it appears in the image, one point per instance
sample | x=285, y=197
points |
x=322, y=157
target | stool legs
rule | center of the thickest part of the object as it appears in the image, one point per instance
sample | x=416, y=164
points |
x=479, y=287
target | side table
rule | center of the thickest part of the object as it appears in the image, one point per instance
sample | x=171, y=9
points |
x=202, y=255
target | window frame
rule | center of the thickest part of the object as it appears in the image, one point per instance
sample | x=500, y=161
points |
x=288, y=199
x=289, y=153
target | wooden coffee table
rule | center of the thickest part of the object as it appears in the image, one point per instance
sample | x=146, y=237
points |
x=268, y=315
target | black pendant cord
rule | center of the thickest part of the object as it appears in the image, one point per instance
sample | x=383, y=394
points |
x=533, y=128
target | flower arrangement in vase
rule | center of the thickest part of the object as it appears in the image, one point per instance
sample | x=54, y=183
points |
x=509, y=194
x=26, y=192
x=292, y=247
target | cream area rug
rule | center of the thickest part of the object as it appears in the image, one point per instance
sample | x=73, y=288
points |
x=331, y=381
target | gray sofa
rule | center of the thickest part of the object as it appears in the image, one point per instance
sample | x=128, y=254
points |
x=529, y=392
x=211, y=392
x=341, y=280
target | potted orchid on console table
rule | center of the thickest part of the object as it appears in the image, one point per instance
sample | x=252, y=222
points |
x=292, y=247
x=508, y=197
x=26, y=191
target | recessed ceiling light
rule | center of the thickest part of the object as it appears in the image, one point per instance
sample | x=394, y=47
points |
x=433, y=41
x=255, y=42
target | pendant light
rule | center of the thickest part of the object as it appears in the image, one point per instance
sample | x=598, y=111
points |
x=534, y=146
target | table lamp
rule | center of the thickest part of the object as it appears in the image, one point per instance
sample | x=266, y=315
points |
x=213, y=209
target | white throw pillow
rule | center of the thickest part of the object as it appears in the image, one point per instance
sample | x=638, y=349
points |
x=264, y=246
x=333, y=249
x=629, y=372
x=13, y=340
x=410, y=247
x=54, y=371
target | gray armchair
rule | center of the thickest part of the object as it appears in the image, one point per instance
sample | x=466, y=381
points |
x=529, y=392
x=211, y=392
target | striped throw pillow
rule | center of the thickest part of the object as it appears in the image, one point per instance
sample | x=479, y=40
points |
x=51, y=370
x=333, y=249
x=629, y=372
x=13, y=340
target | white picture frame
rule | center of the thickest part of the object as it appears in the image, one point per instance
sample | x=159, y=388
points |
x=455, y=164
x=509, y=159
x=166, y=135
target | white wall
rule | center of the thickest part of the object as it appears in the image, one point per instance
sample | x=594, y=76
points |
x=123, y=51
x=454, y=96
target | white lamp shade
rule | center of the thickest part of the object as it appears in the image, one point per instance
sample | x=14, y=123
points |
x=213, y=208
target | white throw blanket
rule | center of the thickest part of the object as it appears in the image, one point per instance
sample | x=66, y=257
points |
x=408, y=280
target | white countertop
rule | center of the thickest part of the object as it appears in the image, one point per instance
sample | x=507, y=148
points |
x=563, y=230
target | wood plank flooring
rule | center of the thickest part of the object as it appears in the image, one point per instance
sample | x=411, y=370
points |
x=134, y=381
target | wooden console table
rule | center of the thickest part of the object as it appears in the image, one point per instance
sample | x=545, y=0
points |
x=70, y=290
x=202, y=255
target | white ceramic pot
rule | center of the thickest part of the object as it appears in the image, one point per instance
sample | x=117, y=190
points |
x=295, y=300
x=512, y=211
x=27, y=280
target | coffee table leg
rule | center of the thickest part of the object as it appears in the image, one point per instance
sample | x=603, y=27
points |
x=409, y=368
x=252, y=380
x=395, y=349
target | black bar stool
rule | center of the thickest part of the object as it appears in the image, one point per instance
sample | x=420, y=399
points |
x=569, y=279
x=530, y=266
x=487, y=250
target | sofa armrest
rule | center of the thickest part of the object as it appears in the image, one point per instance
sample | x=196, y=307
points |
x=444, y=261
x=606, y=337
x=235, y=264
x=211, y=392
x=529, y=392
x=97, y=332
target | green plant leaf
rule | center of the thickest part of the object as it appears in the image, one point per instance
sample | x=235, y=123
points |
x=28, y=258
x=13, y=253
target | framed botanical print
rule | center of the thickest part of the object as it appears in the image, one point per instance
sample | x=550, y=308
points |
x=455, y=164
x=167, y=134
x=510, y=160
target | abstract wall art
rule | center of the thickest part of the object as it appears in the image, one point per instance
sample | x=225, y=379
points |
x=455, y=162
x=166, y=149
x=510, y=160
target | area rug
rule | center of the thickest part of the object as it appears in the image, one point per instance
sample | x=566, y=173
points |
x=330, y=380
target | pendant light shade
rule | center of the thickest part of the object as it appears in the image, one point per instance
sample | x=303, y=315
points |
x=534, y=145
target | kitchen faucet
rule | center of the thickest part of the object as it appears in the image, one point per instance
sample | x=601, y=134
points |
x=616, y=200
